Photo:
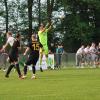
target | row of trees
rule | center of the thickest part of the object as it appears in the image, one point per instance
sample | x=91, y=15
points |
x=75, y=21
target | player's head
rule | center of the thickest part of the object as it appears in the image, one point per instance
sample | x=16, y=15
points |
x=41, y=26
x=18, y=36
x=33, y=37
x=99, y=44
x=82, y=46
x=93, y=44
x=9, y=34
x=88, y=46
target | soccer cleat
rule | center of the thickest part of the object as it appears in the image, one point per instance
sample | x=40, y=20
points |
x=4, y=70
x=6, y=76
x=33, y=77
x=23, y=77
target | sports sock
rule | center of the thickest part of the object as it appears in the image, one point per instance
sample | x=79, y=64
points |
x=25, y=69
x=18, y=69
x=9, y=70
x=33, y=69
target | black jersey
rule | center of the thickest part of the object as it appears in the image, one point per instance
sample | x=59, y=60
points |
x=14, y=48
x=34, y=47
x=13, y=53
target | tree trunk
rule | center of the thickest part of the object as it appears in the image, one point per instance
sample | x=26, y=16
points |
x=39, y=7
x=30, y=3
x=50, y=4
x=6, y=19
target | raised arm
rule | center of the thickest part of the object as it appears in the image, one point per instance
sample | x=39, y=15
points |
x=47, y=27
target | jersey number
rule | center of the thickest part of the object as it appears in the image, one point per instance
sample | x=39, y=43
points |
x=35, y=46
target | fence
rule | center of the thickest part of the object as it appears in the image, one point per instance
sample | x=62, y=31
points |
x=67, y=60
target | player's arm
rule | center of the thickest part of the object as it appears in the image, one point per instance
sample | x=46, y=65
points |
x=46, y=27
x=19, y=46
x=27, y=49
x=4, y=47
x=50, y=26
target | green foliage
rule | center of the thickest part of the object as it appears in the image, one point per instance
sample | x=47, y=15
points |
x=81, y=24
x=2, y=40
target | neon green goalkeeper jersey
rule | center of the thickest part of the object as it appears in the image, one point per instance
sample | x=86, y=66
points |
x=43, y=37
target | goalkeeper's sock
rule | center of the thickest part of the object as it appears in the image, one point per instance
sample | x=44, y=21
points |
x=47, y=61
x=40, y=63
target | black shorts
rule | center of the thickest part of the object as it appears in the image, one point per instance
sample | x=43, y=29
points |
x=32, y=60
x=13, y=58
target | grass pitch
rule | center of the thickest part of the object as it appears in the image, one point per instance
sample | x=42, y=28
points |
x=64, y=84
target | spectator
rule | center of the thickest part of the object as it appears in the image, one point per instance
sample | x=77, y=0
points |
x=98, y=48
x=94, y=56
x=59, y=52
x=87, y=55
x=52, y=49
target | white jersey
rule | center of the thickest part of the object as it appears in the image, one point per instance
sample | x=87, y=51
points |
x=92, y=50
x=80, y=51
x=11, y=41
x=86, y=50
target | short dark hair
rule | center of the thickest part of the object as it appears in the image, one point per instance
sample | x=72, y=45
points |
x=9, y=33
x=17, y=35
x=34, y=36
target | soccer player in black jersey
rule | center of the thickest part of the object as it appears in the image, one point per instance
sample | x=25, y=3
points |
x=13, y=53
x=34, y=47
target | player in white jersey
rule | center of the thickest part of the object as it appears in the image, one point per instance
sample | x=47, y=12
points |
x=80, y=56
x=87, y=55
x=94, y=56
x=99, y=53
x=13, y=53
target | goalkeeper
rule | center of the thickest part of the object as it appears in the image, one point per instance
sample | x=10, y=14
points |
x=43, y=38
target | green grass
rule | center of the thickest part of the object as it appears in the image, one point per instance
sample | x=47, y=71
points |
x=65, y=84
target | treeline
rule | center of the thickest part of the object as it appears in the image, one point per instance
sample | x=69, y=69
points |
x=76, y=22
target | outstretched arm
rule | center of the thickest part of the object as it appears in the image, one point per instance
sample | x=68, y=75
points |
x=4, y=47
x=50, y=26
x=47, y=27
x=27, y=49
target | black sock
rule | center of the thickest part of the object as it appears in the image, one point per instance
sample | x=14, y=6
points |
x=8, y=71
x=41, y=69
x=25, y=70
x=18, y=69
x=33, y=69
